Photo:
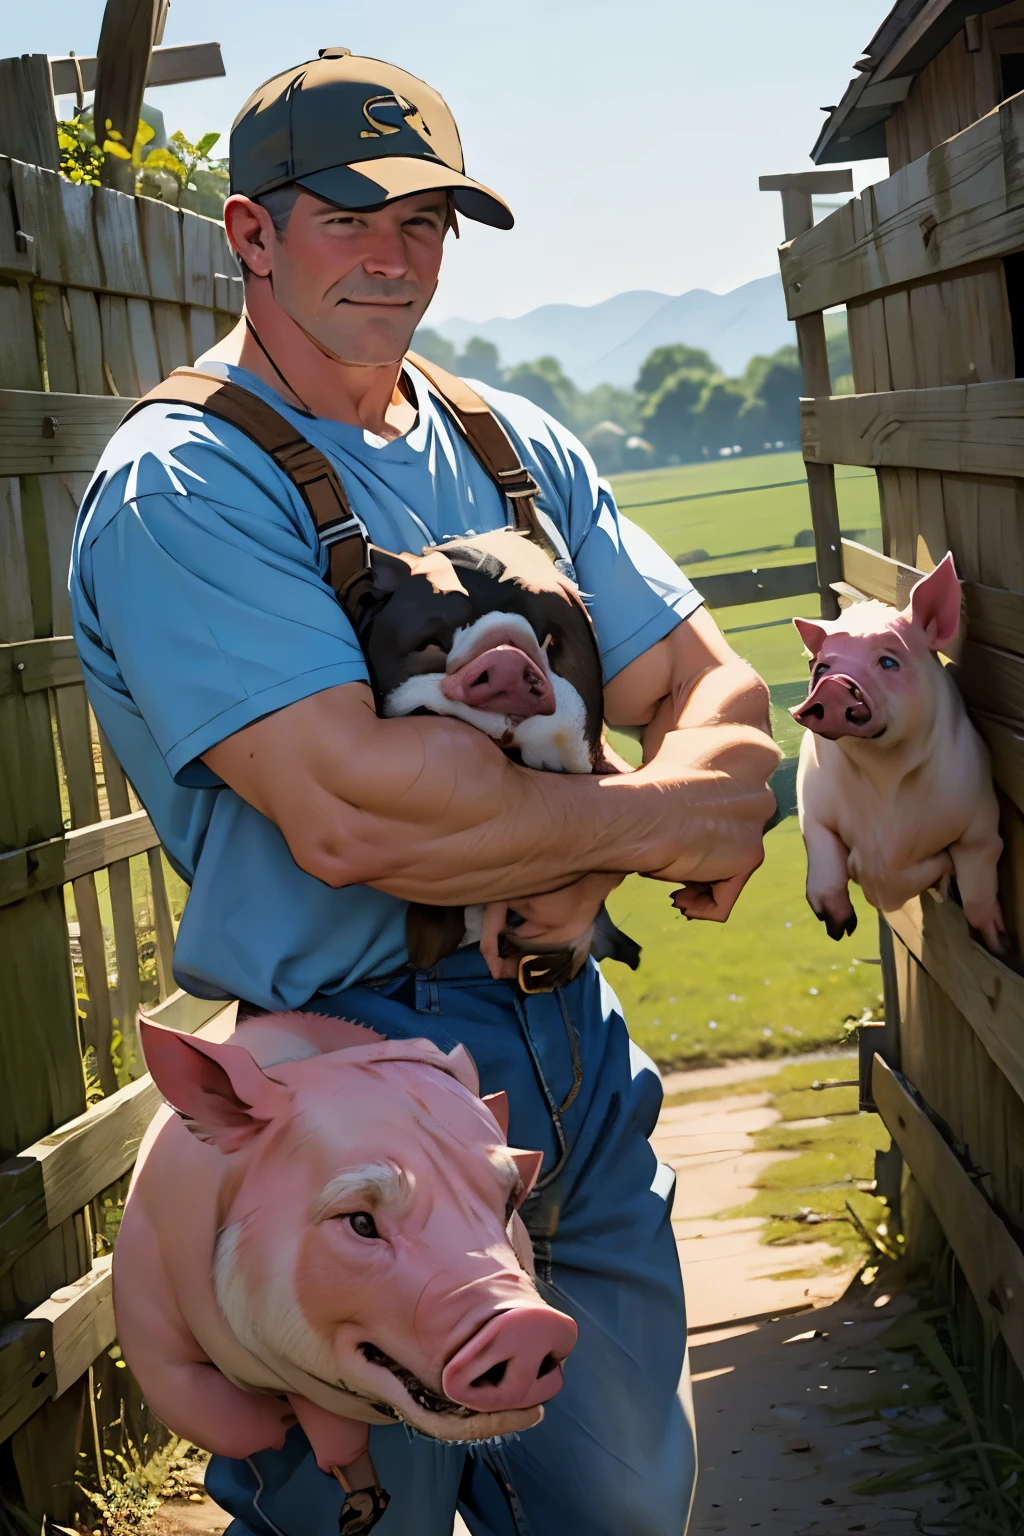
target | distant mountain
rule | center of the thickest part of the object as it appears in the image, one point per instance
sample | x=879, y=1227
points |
x=606, y=343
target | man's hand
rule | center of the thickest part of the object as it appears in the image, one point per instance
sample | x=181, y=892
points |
x=558, y=919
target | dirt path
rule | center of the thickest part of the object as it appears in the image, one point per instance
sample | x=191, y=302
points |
x=795, y=1397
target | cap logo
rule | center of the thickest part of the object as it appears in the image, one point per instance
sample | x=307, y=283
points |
x=380, y=112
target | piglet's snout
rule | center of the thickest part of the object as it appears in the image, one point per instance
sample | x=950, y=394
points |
x=514, y=1361
x=836, y=706
x=502, y=681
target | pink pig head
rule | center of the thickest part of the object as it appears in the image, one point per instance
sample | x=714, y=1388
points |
x=872, y=669
x=366, y=1201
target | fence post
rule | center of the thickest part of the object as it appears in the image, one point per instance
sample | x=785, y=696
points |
x=798, y=216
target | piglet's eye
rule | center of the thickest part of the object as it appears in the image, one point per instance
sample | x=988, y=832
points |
x=820, y=669
x=363, y=1224
x=889, y=662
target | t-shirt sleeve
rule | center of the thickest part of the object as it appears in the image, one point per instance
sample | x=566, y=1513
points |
x=200, y=629
x=635, y=592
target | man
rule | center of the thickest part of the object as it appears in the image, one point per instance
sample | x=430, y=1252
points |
x=232, y=688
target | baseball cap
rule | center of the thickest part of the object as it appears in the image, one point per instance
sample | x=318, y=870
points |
x=356, y=132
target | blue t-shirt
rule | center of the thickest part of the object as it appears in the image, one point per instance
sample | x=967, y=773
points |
x=200, y=606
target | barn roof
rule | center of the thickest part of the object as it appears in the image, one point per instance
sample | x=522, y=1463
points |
x=909, y=38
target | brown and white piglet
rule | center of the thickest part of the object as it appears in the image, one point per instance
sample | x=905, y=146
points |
x=894, y=785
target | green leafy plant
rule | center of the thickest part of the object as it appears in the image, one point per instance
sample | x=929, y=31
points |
x=80, y=155
x=186, y=166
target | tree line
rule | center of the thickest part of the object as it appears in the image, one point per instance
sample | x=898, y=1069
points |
x=681, y=408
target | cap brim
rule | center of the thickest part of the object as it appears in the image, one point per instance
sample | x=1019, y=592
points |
x=369, y=183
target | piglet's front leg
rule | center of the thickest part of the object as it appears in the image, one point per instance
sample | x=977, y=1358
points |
x=975, y=864
x=828, y=877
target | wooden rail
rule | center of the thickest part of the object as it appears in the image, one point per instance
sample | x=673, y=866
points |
x=42, y=432
x=43, y=1355
x=973, y=429
x=959, y=205
x=988, y=994
x=985, y=1248
x=103, y=241
x=81, y=851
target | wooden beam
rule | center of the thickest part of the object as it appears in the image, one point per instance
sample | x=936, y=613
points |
x=64, y=1171
x=43, y=433
x=27, y=1378
x=807, y=181
x=27, y=666
x=1006, y=744
x=972, y=429
x=877, y=575
x=994, y=615
x=81, y=851
x=797, y=218
x=81, y=1322
x=992, y=680
x=988, y=994
x=733, y=588
x=167, y=66
x=987, y=1252
x=960, y=204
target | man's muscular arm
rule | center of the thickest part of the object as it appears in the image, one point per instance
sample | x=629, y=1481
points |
x=429, y=809
x=692, y=679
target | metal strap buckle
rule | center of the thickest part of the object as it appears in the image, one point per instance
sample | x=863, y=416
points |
x=543, y=973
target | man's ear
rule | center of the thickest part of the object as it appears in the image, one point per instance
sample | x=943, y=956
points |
x=218, y=1090
x=813, y=633
x=935, y=605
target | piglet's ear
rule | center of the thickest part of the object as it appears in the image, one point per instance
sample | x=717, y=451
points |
x=812, y=634
x=497, y=1103
x=528, y=1164
x=218, y=1090
x=935, y=605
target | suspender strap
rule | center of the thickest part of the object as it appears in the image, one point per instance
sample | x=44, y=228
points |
x=491, y=444
x=312, y=474
x=319, y=483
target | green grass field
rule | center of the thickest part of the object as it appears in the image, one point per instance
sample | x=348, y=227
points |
x=770, y=980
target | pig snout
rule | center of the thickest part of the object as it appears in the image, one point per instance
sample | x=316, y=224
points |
x=502, y=681
x=514, y=1361
x=836, y=706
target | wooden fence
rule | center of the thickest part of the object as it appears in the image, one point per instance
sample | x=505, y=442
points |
x=938, y=414
x=101, y=295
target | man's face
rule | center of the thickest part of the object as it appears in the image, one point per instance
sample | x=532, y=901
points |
x=359, y=282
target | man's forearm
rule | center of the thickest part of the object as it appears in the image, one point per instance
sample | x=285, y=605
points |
x=428, y=809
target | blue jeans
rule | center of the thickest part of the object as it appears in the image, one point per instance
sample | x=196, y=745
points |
x=615, y=1452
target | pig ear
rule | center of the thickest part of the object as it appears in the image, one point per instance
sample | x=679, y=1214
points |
x=935, y=605
x=812, y=634
x=218, y=1090
x=497, y=1103
x=463, y=1068
x=528, y=1164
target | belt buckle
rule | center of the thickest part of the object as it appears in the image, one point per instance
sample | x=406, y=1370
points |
x=543, y=973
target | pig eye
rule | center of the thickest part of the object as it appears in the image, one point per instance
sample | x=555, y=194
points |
x=888, y=662
x=363, y=1224
x=820, y=669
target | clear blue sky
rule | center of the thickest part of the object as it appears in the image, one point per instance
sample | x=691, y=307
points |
x=627, y=137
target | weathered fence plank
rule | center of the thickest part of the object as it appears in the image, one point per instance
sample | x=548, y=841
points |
x=988, y=1254
x=988, y=994
x=968, y=429
x=41, y=433
x=960, y=204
